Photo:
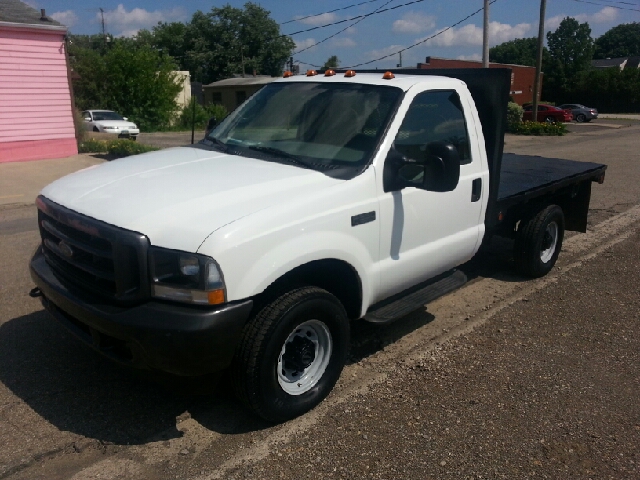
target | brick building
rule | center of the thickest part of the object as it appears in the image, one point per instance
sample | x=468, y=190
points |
x=522, y=77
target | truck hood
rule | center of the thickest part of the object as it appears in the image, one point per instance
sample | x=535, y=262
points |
x=179, y=196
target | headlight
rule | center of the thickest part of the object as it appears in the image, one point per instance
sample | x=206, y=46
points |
x=185, y=277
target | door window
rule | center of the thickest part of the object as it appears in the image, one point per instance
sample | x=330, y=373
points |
x=434, y=116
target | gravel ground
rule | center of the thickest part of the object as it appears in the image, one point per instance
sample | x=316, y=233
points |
x=547, y=389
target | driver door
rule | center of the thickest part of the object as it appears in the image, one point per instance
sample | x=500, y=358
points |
x=426, y=232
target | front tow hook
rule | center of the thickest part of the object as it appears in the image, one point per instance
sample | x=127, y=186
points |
x=35, y=292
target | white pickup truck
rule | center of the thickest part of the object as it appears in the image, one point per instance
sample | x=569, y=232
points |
x=323, y=198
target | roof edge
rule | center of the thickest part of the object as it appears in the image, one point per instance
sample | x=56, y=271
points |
x=34, y=26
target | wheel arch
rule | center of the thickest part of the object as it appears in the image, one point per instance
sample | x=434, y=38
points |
x=335, y=276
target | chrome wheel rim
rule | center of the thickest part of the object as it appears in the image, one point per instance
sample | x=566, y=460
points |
x=304, y=357
x=549, y=242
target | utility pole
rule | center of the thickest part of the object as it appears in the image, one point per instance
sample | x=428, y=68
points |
x=536, y=81
x=400, y=64
x=104, y=36
x=485, y=36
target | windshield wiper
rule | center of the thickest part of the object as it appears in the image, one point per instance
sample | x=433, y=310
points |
x=279, y=153
x=223, y=146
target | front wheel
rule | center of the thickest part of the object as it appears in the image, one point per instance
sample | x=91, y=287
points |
x=539, y=241
x=291, y=354
x=581, y=118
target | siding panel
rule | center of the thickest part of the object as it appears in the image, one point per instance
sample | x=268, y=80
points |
x=35, y=100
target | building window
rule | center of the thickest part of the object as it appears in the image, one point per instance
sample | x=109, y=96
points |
x=241, y=96
x=216, y=98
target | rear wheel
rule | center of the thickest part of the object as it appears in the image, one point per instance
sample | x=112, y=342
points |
x=291, y=354
x=581, y=117
x=539, y=242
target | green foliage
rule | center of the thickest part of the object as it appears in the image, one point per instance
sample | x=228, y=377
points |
x=119, y=147
x=610, y=90
x=125, y=147
x=138, y=83
x=537, y=128
x=224, y=42
x=332, y=62
x=570, y=53
x=202, y=114
x=521, y=51
x=92, y=145
x=78, y=124
x=620, y=41
x=514, y=115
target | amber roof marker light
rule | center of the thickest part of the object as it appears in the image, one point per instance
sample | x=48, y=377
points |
x=287, y=74
x=350, y=73
x=329, y=73
x=388, y=76
x=311, y=73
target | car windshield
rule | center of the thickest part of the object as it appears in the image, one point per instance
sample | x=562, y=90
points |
x=315, y=125
x=107, y=116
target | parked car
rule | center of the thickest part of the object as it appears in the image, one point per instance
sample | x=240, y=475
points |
x=580, y=112
x=547, y=113
x=107, y=121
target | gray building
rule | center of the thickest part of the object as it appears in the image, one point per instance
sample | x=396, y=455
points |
x=231, y=92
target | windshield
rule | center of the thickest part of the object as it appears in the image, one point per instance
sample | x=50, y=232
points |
x=318, y=125
x=106, y=116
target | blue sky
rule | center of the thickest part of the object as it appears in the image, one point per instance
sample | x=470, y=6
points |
x=373, y=37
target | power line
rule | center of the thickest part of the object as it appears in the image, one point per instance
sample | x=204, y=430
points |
x=417, y=43
x=352, y=18
x=338, y=33
x=329, y=11
x=609, y=5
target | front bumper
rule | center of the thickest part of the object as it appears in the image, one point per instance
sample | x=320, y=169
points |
x=179, y=339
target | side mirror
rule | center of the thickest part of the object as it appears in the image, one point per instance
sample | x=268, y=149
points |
x=211, y=124
x=437, y=171
x=87, y=119
x=125, y=118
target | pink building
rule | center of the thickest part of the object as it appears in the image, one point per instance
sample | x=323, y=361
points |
x=36, y=117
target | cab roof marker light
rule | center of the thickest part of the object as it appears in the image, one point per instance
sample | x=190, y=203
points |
x=329, y=73
x=287, y=74
x=311, y=73
x=350, y=73
x=388, y=76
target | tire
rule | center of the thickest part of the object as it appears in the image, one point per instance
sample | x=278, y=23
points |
x=539, y=242
x=550, y=120
x=306, y=328
x=581, y=118
x=95, y=129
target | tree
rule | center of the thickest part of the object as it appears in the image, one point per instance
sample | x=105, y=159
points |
x=620, y=41
x=332, y=62
x=570, y=53
x=521, y=51
x=228, y=41
x=139, y=83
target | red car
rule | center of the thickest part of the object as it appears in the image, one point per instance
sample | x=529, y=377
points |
x=547, y=113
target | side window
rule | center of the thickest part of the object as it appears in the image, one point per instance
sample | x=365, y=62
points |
x=434, y=116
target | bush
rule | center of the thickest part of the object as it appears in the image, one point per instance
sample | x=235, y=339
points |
x=537, y=128
x=119, y=148
x=78, y=124
x=92, y=145
x=125, y=147
x=202, y=115
x=514, y=116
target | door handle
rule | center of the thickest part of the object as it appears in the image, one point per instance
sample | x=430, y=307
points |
x=476, y=190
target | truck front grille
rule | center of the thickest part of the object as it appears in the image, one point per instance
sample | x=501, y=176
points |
x=92, y=255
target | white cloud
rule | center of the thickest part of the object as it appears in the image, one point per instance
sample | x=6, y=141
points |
x=67, y=18
x=414, y=22
x=471, y=35
x=319, y=19
x=307, y=42
x=31, y=3
x=606, y=15
x=127, y=23
x=475, y=57
x=344, y=42
x=384, y=51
